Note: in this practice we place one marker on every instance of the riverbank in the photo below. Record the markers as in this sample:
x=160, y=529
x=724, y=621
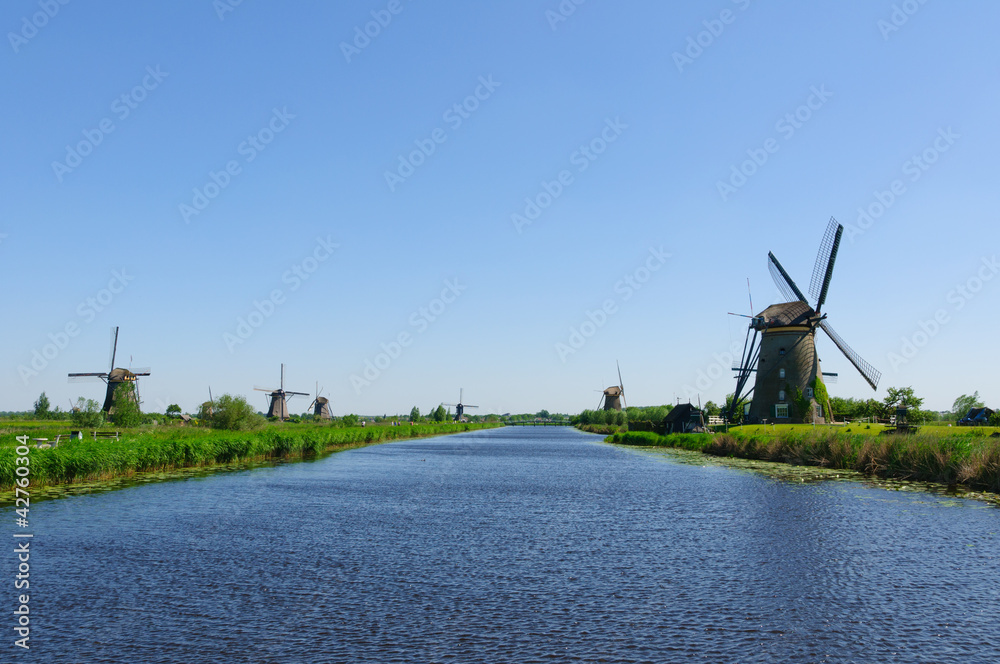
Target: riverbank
x=170, y=448
x=944, y=455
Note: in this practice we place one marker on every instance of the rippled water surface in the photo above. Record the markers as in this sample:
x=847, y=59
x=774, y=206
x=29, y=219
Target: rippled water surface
x=510, y=545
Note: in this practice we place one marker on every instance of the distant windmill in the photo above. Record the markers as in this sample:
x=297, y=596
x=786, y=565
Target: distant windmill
x=784, y=359
x=114, y=377
x=614, y=396
x=459, y=407
x=208, y=407
x=278, y=399
x=320, y=405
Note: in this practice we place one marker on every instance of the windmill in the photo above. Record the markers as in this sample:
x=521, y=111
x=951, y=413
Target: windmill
x=278, y=399
x=459, y=407
x=114, y=377
x=208, y=407
x=614, y=396
x=320, y=405
x=780, y=347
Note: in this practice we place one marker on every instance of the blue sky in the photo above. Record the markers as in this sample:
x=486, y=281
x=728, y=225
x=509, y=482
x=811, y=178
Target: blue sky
x=210, y=161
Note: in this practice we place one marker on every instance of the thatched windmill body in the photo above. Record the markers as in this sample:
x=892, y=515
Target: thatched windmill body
x=459, y=407
x=278, y=399
x=613, y=397
x=780, y=350
x=320, y=405
x=114, y=377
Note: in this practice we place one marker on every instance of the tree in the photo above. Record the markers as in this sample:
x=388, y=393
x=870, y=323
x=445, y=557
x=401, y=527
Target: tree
x=414, y=414
x=173, y=409
x=902, y=397
x=235, y=414
x=544, y=414
x=964, y=404
x=125, y=412
x=439, y=414
x=711, y=408
x=350, y=420
x=87, y=414
x=42, y=407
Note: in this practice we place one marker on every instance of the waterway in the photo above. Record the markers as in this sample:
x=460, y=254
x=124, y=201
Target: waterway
x=508, y=545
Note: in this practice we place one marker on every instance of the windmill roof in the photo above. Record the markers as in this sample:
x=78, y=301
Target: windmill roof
x=787, y=314
x=613, y=391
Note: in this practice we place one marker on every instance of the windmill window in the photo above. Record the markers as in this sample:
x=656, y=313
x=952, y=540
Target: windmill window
x=809, y=393
x=781, y=410
x=781, y=351
x=781, y=373
x=781, y=395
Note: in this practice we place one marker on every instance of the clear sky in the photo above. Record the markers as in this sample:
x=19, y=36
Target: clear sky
x=241, y=184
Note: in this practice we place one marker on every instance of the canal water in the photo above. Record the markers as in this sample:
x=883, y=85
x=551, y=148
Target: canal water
x=509, y=545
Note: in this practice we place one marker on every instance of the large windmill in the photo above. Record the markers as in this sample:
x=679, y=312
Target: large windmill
x=459, y=407
x=781, y=347
x=114, y=377
x=320, y=405
x=278, y=399
x=614, y=397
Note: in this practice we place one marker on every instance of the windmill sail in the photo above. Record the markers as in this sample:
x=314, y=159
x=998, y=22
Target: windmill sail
x=783, y=281
x=870, y=373
x=825, y=259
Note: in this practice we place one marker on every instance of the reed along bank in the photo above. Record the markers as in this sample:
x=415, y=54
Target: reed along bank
x=947, y=455
x=171, y=448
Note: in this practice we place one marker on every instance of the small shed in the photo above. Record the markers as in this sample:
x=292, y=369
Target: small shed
x=684, y=418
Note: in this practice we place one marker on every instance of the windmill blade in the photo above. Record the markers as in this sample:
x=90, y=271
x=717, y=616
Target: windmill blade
x=827, y=256
x=870, y=373
x=264, y=389
x=87, y=377
x=468, y=406
x=301, y=394
x=783, y=281
x=144, y=371
x=830, y=377
x=114, y=347
x=450, y=405
x=210, y=399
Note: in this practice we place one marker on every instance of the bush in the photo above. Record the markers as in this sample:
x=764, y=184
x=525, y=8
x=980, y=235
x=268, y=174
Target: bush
x=235, y=414
x=87, y=415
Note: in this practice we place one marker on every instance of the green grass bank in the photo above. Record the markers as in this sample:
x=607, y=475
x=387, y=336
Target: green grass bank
x=169, y=448
x=947, y=455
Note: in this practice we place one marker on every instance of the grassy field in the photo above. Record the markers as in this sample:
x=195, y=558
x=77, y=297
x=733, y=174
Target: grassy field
x=967, y=456
x=169, y=447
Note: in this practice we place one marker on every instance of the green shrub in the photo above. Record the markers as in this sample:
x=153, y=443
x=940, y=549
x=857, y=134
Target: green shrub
x=233, y=413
